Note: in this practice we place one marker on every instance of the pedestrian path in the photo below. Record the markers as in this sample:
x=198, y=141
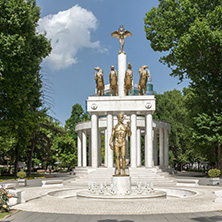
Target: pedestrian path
x=23, y=216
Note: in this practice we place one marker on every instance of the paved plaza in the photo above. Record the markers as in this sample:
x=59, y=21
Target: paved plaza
x=41, y=206
x=49, y=217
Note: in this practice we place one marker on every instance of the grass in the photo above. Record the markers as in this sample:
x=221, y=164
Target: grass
x=6, y=214
x=3, y=215
x=8, y=177
x=33, y=176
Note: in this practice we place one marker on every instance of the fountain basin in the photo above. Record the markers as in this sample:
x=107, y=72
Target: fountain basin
x=133, y=195
x=67, y=193
x=178, y=193
x=161, y=193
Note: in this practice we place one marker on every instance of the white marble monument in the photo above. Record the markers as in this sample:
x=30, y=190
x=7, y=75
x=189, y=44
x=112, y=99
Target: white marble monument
x=138, y=109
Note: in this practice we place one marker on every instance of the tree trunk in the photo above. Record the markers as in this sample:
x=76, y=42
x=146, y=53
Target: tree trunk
x=219, y=165
x=215, y=158
x=30, y=156
x=30, y=161
x=16, y=158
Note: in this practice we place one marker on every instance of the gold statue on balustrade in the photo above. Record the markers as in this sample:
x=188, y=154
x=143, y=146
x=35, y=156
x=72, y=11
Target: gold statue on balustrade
x=121, y=34
x=99, y=81
x=128, y=80
x=113, y=82
x=119, y=134
x=144, y=74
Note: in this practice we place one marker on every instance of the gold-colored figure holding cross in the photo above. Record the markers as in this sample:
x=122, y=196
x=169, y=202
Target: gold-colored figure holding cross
x=120, y=132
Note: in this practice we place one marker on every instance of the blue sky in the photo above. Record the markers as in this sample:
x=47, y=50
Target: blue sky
x=80, y=32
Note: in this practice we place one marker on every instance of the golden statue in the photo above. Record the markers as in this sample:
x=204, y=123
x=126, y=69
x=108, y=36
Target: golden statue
x=121, y=34
x=113, y=82
x=144, y=74
x=128, y=80
x=99, y=81
x=119, y=132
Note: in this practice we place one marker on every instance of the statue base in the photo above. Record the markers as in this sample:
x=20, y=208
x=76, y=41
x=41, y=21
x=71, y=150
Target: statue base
x=122, y=183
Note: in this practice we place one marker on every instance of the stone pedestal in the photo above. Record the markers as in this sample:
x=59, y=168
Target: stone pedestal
x=122, y=183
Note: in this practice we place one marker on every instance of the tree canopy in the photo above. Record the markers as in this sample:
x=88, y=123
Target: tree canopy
x=190, y=32
x=22, y=50
x=170, y=107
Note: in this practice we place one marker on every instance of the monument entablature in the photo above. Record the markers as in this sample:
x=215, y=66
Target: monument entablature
x=139, y=105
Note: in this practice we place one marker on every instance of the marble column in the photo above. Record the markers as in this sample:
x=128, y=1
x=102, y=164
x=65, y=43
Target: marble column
x=84, y=153
x=106, y=149
x=109, y=132
x=133, y=141
x=138, y=147
x=99, y=148
x=79, y=149
x=127, y=147
x=155, y=150
x=121, y=73
x=94, y=140
x=161, y=154
x=148, y=140
x=166, y=148
x=90, y=151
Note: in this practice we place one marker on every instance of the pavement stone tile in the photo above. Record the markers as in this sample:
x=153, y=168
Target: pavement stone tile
x=94, y=218
x=67, y=217
x=149, y=218
x=138, y=218
x=42, y=217
x=171, y=218
x=48, y=220
x=206, y=219
x=21, y=215
x=83, y=218
x=72, y=218
x=128, y=218
x=181, y=217
x=111, y=218
x=31, y=217
x=160, y=218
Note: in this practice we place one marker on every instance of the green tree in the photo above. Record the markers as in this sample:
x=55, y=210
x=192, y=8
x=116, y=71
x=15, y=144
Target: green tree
x=41, y=145
x=170, y=107
x=22, y=50
x=65, y=148
x=190, y=32
x=77, y=115
x=209, y=136
x=206, y=129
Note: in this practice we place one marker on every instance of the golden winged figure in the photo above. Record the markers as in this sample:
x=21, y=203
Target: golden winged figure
x=121, y=34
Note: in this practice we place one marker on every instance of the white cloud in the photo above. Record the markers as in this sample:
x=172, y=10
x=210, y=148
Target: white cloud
x=69, y=31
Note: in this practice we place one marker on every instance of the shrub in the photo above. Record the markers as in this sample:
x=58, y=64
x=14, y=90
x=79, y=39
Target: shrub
x=214, y=173
x=4, y=197
x=21, y=174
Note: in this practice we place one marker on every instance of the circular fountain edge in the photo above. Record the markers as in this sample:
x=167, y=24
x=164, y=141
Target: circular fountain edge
x=155, y=194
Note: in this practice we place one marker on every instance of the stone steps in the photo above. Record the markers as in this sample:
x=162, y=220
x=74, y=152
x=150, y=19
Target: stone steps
x=100, y=175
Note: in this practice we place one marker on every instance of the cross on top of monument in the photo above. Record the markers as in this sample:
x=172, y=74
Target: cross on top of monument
x=121, y=34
